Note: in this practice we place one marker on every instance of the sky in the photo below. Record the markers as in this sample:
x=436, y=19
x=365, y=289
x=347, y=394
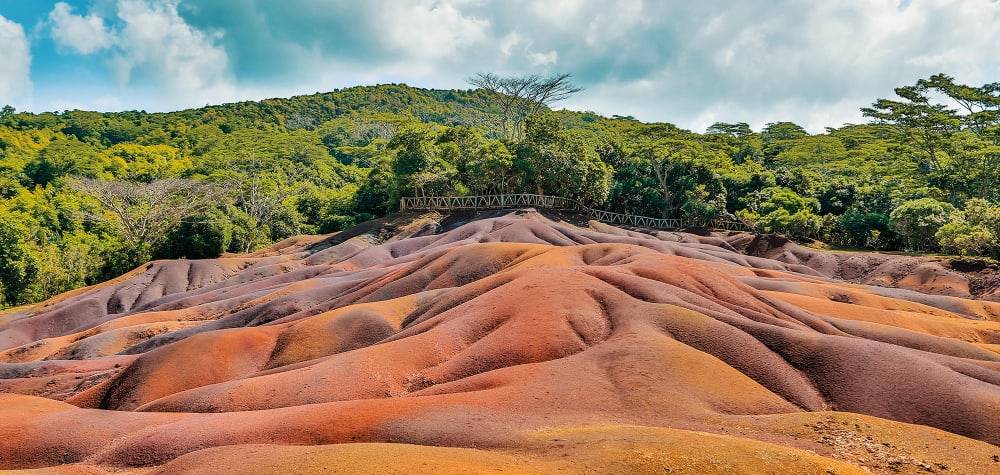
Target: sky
x=690, y=63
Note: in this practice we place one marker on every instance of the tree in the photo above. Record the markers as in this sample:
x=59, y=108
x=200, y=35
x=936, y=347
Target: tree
x=261, y=196
x=981, y=104
x=203, y=236
x=145, y=163
x=670, y=161
x=965, y=239
x=490, y=170
x=974, y=164
x=65, y=157
x=378, y=194
x=778, y=137
x=17, y=266
x=701, y=206
x=634, y=189
x=919, y=220
x=330, y=210
x=864, y=229
x=737, y=130
x=740, y=141
x=144, y=213
x=516, y=98
x=785, y=211
x=972, y=231
x=916, y=120
x=420, y=164
x=74, y=261
x=555, y=161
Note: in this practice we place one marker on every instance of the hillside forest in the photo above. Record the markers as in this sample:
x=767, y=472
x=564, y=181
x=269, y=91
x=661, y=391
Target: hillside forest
x=86, y=196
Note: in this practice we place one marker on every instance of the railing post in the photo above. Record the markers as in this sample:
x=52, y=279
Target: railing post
x=559, y=202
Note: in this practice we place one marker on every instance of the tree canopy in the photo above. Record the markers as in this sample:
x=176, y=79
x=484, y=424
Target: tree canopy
x=87, y=195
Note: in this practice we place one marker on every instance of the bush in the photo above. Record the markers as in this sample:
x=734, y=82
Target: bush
x=200, y=237
x=785, y=212
x=18, y=266
x=972, y=231
x=801, y=224
x=966, y=240
x=919, y=220
x=336, y=222
x=122, y=258
x=864, y=229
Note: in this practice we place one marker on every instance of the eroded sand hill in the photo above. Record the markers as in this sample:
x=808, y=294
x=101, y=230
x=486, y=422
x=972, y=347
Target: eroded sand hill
x=511, y=341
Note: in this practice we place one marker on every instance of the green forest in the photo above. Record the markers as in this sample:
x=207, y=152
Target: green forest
x=86, y=196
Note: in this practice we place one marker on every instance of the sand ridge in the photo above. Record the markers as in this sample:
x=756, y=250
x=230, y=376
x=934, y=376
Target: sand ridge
x=430, y=336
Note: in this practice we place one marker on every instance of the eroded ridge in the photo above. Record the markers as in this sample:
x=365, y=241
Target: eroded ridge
x=506, y=340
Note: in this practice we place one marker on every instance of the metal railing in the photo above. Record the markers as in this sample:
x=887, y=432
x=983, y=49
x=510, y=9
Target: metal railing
x=520, y=200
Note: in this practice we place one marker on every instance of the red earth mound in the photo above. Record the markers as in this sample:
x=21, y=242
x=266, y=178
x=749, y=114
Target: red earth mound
x=516, y=341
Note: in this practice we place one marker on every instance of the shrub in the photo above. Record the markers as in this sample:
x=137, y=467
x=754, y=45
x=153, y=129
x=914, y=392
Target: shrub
x=919, y=220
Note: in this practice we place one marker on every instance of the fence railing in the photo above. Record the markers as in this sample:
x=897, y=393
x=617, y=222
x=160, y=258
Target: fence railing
x=520, y=200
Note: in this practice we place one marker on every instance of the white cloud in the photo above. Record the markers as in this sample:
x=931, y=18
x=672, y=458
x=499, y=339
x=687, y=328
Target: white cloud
x=562, y=14
x=15, y=67
x=84, y=35
x=158, y=44
x=152, y=50
x=615, y=22
x=429, y=31
x=814, y=63
x=544, y=59
x=508, y=42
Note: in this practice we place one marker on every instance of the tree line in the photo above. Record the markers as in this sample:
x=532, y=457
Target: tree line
x=86, y=196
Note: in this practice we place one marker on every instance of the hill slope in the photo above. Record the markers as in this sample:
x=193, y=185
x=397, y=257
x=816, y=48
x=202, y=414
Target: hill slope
x=511, y=340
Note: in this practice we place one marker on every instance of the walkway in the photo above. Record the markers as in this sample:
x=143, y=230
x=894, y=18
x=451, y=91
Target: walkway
x=554, y=202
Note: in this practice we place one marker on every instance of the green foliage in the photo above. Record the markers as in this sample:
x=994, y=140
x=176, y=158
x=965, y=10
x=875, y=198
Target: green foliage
x=18, y=267
x=966, y=239
x=781, y=210
x=556, y=161
x=701, y=206
x=378, y=194
x=330, y=210
x=65, y=157
x=919, y=220
x=490, y=169
x=123, y=257
x=790, y=201
x=200, y=236
x=145, y=163
x=972, y=231
x=422, y=166
x=322, y=162
x=74, y=262
x=866, y=229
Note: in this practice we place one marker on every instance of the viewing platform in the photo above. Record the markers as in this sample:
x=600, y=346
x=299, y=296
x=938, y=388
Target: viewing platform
x=520, y=200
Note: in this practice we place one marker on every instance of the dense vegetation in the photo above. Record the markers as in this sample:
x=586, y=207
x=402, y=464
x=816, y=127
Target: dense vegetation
x=85, y=196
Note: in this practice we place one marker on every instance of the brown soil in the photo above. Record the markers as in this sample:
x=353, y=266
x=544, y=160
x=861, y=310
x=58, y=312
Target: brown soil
x=511, y=341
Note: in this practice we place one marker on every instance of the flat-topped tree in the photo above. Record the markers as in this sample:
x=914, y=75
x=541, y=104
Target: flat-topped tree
x=144, y=213
x=519, y=97
x=958, y=148
x=917, y=121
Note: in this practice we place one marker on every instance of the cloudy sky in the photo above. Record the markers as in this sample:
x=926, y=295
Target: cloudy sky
x=687, y=62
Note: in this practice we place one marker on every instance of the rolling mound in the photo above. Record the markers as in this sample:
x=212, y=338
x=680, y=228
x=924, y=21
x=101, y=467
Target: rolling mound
x=512, y=340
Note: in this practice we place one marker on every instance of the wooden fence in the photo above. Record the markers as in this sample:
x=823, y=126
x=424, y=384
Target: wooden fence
x=522, y=200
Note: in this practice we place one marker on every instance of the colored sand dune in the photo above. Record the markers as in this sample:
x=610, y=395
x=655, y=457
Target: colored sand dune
x=511, y=341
